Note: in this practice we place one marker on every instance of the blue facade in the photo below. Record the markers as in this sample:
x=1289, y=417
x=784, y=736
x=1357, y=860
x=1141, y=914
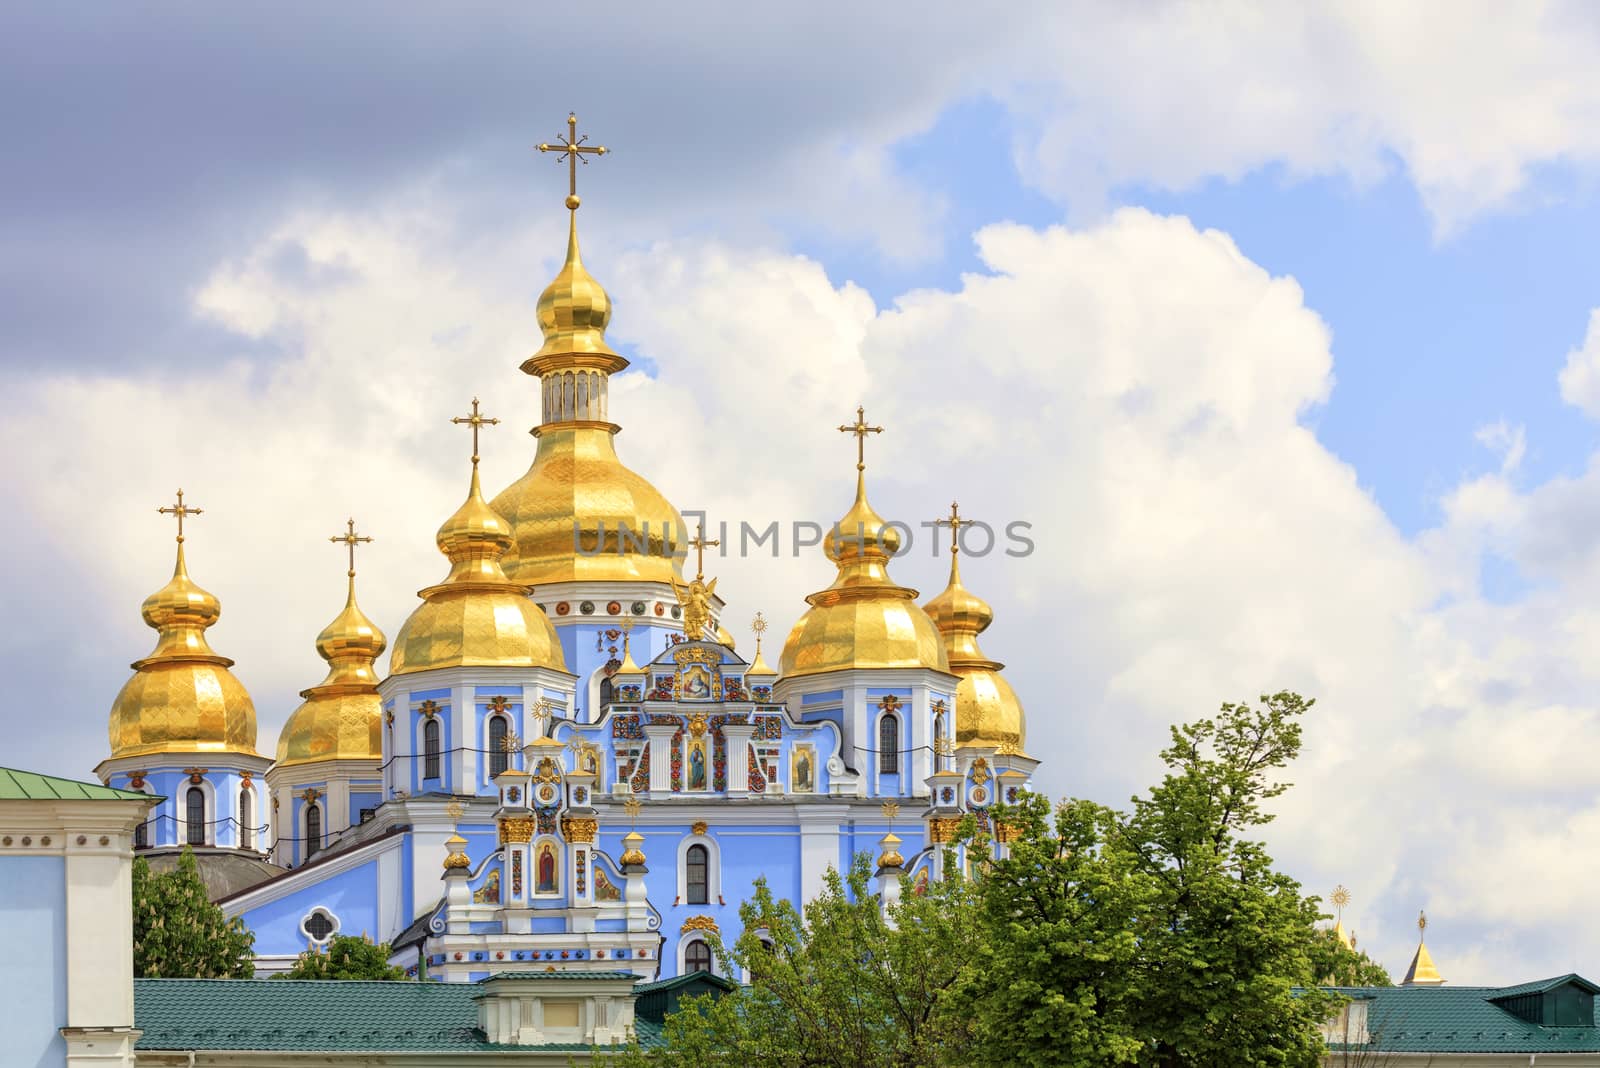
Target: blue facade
x=33, y=970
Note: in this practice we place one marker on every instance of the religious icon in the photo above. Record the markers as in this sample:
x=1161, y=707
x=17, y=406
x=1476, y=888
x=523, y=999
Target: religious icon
x=919, y=885
x=545, y=869
x=802, y=767
x=697, y=765
x=696, y=682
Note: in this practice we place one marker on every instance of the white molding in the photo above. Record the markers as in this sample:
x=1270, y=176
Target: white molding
x=298, y=879
x=338, y=924
x=683, y=949
x=713, y=869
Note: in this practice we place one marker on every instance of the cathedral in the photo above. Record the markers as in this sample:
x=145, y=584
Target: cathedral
x=565, y=763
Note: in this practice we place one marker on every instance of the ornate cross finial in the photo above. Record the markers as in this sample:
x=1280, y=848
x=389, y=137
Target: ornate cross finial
x=351, y=539
x=180, y=510
x=573, y=149
x=759, y=626
x=475, y=421
x=455, y=810
x=955, y=523
x=860, y=429
x=699, y=544
x=1422, y=924
x=891, y=809
x=1340, y=899
x=632, y=806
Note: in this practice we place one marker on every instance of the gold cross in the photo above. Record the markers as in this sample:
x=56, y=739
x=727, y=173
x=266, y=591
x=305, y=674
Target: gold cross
x=352, y=539
x=759, y=625
x=573, y=149
x=699, y=544
x=955, y=523
x=180, y=510
x=475, y=421
x=860, y=429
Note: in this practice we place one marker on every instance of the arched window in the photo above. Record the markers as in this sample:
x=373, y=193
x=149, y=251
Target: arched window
x=498, y=756
x=247, y=834
x=313, y=829
x=696, y=865
x=430, y=749
x=195, y=805
x=608, y=692
x=697, y=957
x=888, y=744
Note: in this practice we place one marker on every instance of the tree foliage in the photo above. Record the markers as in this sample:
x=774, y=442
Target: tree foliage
x=1335, y=964
x=1160, y=936
x=346, y=957
x=838, y=983
x=178, y=933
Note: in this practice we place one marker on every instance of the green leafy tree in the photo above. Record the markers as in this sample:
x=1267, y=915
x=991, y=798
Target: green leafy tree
x=1335, y=964
x=346, y=957
x=178, y=933
x=1163, y=936
x=837, y=983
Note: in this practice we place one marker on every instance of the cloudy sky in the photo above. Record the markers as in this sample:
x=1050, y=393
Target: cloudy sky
x=1278, y=323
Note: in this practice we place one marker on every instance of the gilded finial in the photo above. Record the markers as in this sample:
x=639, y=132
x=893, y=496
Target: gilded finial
x=1422, y=924
x=1423, y=972
x=632, y=806
x=700, y=543
x=351, y=539
x=889, y=856
x=180, y=510
x=758, y=626
x=891, y=809
x=573, y=148
x=955, y=523
x=476, y=422
x=860, y=429
x=695, y=596
x=631, y=853
x=1340, y=899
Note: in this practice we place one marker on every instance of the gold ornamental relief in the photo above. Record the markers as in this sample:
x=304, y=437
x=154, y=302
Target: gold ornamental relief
x=942, y=829
x=699, y=923
x=517, y=830
x=579, y=828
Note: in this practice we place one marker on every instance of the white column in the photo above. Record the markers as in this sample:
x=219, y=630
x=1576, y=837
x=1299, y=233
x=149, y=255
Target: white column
x=739, y=737
x=463, y=764
x=819, y=848
x=660, y=735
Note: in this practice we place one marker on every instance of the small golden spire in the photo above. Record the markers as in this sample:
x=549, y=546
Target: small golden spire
x=889, y=855
x=1422, y=972
x=476, y=536
x=631, y=853
x=759, y=665
x=573, y=148
x=1340, y=899
x=627, y=667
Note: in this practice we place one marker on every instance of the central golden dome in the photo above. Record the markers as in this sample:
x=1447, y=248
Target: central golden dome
x=182, y=698
x=863, y=620
x=988, y=713
x=476, y=617
x=579, y=515
x=342, y=715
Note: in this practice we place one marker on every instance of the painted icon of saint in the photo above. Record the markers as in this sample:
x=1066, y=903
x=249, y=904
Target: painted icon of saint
x=697, y=768
x=546, y=883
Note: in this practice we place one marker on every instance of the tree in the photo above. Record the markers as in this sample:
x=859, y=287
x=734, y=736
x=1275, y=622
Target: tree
x=346, y=957
x=836, y=984
x=178, y=933
x=1162, y=936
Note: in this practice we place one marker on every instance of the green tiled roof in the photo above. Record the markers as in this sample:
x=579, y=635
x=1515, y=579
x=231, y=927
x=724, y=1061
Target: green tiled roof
x=1445, y=1019
x=29, y=786
x=311, y=1014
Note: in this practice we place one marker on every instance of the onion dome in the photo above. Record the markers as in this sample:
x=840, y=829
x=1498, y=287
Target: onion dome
x=579, y=515
x=182, y=698
x=631, y=853
x=476, y=617
x=342, y=715
x=456, y=859
x=988, y=714
x=863, y=620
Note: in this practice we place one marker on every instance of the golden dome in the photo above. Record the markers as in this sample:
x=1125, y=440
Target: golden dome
x=476, y=617
x=863, y=620
x=342, y=715
x=577, y=488
x=725, y=638
x=988, y=713
x=182, y=698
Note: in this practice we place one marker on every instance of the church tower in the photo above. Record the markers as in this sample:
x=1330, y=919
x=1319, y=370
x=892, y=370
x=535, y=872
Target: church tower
x=183, y=727
x=865, y=655
x=599, y=543
x=330, y=752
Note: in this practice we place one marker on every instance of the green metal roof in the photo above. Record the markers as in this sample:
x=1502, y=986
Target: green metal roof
x=321, y=1014
x=1445, y=1019
x=30, y=786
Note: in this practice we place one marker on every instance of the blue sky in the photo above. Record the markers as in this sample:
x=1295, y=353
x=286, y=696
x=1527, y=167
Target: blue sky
x=1274, y=323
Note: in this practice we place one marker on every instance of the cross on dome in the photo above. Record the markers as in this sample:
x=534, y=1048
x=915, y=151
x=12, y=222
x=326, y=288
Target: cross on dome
x=351, y=539
x=180, y=510
x=699, y=543
x=573, y=149
x=860, y=429
x=955, y=523
x=475, y=421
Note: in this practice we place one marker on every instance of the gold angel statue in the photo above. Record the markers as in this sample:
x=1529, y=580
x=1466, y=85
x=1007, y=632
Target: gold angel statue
x=695, y=597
